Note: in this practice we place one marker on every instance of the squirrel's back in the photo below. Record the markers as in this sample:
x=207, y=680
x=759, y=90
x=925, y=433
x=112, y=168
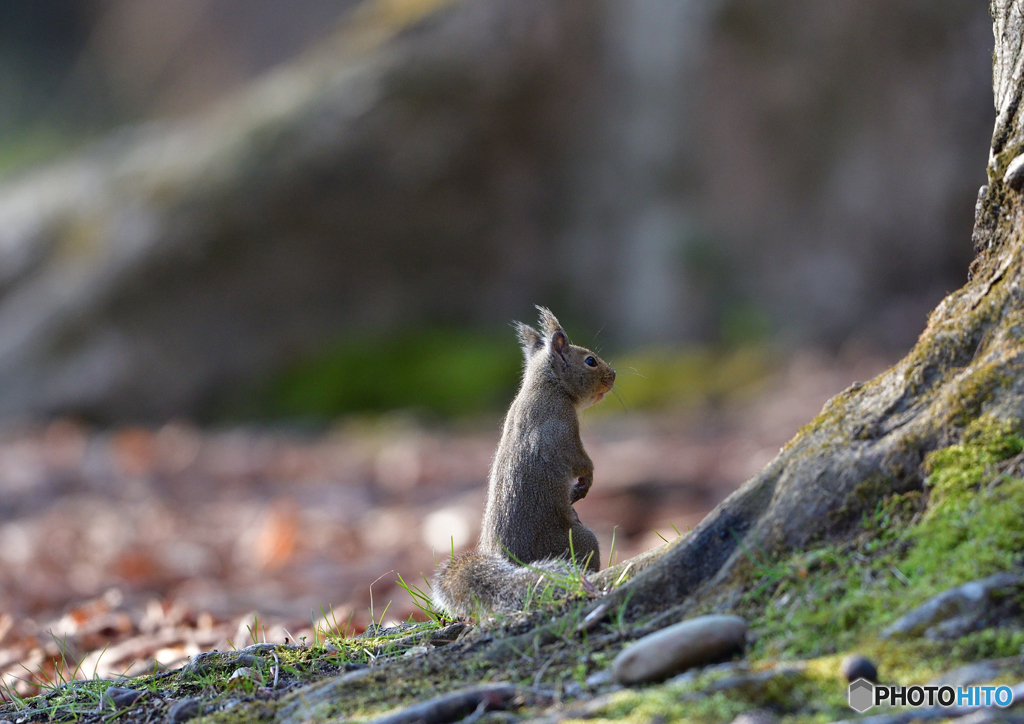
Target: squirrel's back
x=540, y=467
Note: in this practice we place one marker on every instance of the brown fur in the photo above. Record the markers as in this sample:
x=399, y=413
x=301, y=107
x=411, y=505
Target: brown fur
x=476, y=583
x=540, y=469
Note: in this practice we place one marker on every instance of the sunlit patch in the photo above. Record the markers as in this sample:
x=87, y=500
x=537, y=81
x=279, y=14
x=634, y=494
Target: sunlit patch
x=447, y=527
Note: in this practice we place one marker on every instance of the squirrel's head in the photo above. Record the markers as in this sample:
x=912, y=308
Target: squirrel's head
x=580, y=373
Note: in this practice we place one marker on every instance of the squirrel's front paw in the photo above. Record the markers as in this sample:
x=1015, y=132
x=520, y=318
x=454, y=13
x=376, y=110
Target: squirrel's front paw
x=581, y=487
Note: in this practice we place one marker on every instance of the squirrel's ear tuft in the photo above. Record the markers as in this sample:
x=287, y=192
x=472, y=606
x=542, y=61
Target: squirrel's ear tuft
x=529, y=338
x=548, y=323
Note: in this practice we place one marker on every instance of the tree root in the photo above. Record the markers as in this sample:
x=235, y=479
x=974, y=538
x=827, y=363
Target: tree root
x=461, y=704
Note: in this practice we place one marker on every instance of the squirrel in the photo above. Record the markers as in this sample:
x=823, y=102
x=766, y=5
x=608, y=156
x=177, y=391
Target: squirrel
x=539, y=470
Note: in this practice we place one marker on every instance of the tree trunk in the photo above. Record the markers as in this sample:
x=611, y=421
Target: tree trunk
x=870, y=441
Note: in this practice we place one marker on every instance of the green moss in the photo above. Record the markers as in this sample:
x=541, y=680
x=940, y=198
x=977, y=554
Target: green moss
x=990, y=643
x=669, y=377
x=441, y=372
x=973, y=526
x=976, y=390
x=664, y=703
x=832, y=417
x=810, y=692
x=950, y=344
x=1002, y=160
x=840, y=595
x=862, y=501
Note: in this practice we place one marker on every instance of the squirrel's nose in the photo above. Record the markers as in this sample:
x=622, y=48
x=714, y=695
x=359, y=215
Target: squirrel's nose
x=613, y=375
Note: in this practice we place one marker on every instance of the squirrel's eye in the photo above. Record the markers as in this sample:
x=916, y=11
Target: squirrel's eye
x=591, y=362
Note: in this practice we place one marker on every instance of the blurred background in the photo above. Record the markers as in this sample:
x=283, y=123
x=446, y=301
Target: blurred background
x=258, y=262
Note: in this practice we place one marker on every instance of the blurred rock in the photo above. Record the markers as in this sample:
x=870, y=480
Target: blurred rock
x=979, y=672
x=756, y=716
x=117, y=697
x=701, y=640
x=673, y=169
x=247, y=673
x=182, y=711
x=855, y=667
x=962, y=609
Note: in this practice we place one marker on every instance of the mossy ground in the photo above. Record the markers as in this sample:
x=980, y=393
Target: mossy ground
x=810, y=607
x=809, y=694
x=966, y=524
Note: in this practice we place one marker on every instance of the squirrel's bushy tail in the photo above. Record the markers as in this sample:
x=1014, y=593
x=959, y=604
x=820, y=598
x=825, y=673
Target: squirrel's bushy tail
x=474, y=582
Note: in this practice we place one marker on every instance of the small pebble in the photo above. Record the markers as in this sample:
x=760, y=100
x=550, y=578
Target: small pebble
x=1014, y=177
x=856, y=667
x=701, y=640
x=756, y=716
x=572, y=690
x=246, y=672
x=206, y=661
x=182, y=711
x=119, y=698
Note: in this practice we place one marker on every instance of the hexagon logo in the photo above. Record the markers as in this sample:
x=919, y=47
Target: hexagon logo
x=861, y=695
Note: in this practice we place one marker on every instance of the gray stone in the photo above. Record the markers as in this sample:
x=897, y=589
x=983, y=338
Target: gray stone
x=211, y=660
x=957, y=611
x=756, y=716
x=182, y=711
x=572, y=690
x=117, y=697
x=1014, y=176
x=248, y=673
x=674, y=649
